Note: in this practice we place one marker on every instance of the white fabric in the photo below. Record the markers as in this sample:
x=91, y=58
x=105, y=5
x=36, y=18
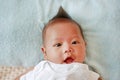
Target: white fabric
x=46, y=70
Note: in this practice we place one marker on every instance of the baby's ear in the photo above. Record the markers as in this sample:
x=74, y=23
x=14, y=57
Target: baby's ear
x=43, y=49
x=85, y=43
x=44, y=52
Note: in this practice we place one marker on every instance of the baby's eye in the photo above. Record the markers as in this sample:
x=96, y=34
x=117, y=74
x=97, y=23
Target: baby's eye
x=58, y=45
x=75, y=42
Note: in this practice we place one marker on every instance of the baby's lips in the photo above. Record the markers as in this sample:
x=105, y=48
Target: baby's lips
x=68, y=60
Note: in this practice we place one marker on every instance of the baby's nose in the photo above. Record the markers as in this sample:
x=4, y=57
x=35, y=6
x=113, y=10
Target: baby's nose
x=68, y=50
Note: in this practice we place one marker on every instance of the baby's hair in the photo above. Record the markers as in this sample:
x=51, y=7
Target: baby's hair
x=61, y=15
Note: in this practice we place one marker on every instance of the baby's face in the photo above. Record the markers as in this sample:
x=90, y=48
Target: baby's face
x=64, y=43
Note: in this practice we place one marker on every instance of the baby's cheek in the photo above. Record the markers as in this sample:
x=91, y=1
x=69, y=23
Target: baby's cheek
x=81, y=54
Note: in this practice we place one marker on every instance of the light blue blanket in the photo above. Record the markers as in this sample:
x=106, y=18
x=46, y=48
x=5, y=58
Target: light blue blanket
x=21, y=22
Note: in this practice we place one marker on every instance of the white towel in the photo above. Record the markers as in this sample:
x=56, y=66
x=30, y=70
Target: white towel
x=46, y=70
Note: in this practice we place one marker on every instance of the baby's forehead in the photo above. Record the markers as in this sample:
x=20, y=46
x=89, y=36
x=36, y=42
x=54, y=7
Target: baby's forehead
x=60, y=20
x=56, y=21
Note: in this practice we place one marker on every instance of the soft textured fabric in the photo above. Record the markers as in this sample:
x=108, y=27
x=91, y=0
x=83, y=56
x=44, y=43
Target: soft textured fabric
x=46, y=70
x=21, y=22
x=11, y=72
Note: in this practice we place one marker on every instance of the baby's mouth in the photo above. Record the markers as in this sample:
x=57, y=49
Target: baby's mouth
x=68, y=60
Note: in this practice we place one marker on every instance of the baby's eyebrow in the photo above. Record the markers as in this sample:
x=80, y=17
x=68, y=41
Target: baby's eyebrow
x=57, y=39
x=75, y=36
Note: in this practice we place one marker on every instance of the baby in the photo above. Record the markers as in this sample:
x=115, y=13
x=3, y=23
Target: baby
x=64, y=52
